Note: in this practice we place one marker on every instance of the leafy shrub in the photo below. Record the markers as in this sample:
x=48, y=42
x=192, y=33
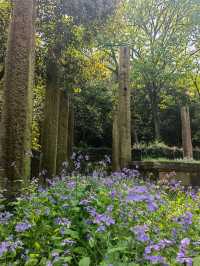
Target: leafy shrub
x=160, y=150
x=102, y=220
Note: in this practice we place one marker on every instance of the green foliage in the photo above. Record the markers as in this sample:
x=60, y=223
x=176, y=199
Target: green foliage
x=38, y=102
x=83, y=37
x=4, y=20
x=94, y=103
x=117, y=219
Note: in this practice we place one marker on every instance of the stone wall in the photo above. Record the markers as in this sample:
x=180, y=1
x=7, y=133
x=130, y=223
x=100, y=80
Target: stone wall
x=188, y=173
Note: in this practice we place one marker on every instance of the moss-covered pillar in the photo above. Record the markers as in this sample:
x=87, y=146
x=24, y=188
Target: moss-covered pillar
x=63, y=128
x=186, y=133
x=71, y=126
x=51, y=120
x=115, y=141
x=17, y=108
x=124, y=117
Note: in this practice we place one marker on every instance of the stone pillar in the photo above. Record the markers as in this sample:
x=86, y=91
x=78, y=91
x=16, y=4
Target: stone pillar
x=124, y=116
x=186, y=133
x=17, y=104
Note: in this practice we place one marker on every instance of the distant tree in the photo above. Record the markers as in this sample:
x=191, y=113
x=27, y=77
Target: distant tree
x=66, y=25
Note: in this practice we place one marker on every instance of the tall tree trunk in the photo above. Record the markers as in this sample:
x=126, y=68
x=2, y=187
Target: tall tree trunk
x=71, y=127
x=2, y=71
x=62, y=150
x=115, y=141
x=51, y=120
x=186, y=133
x=17, y=109
x=124, y=118
x=156, y=121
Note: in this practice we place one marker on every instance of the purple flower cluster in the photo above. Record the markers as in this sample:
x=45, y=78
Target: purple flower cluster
x=7, y=246
x=22, y=227
x=125, y=174
x=68, y=242
x=156, y=259
x=85, y=202
x=103, y=219
x=140, y=233
x=62, y=221
x=185, y=220
x=142, y=194
x=181, y=256
x=4, y=247
x=158, y=247
x=5, y=217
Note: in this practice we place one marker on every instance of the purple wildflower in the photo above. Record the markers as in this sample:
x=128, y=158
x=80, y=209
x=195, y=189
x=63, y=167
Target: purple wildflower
x=22, y=227
x=159, y=246
x=136, y=197
x=181, y=256
x=54, y=254
x=84, y=202
x=62, y=221
x=152, y=206
x=185, y=242
x=184, y=220
x=113, y=194
x=68, y=242
x=101, y=228
x=71, y=184
x=64, y=197
x=4, y=246
x=140, y=232
x=103, y=218
x=155, y=259
x=5, y=217
x=110, y=208
x=91, y=211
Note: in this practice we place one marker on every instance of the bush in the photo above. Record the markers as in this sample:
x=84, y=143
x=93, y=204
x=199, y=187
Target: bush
x=160, y=150
x=102, y=220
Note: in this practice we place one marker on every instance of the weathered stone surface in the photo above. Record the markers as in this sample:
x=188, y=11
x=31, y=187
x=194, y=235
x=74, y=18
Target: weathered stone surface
x=17, y=98
x=188, y=173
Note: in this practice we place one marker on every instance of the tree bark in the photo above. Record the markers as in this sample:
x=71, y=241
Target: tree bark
x=2, y=73
x=51, y=121
x=17, y=108
x=186, y=133
x=124, y=118
x=63, y=127
x=115, y=142
x=71, y=127
x=156, y=121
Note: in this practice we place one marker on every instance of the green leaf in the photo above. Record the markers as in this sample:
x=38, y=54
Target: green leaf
x=196, y=261
x=67, y=259
x=72, y=233
x=37, y=245
x=117, y=249
x=84, y=261
x=31, y=262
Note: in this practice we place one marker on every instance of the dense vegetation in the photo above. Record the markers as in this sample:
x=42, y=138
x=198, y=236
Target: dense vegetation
x=101, y=219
